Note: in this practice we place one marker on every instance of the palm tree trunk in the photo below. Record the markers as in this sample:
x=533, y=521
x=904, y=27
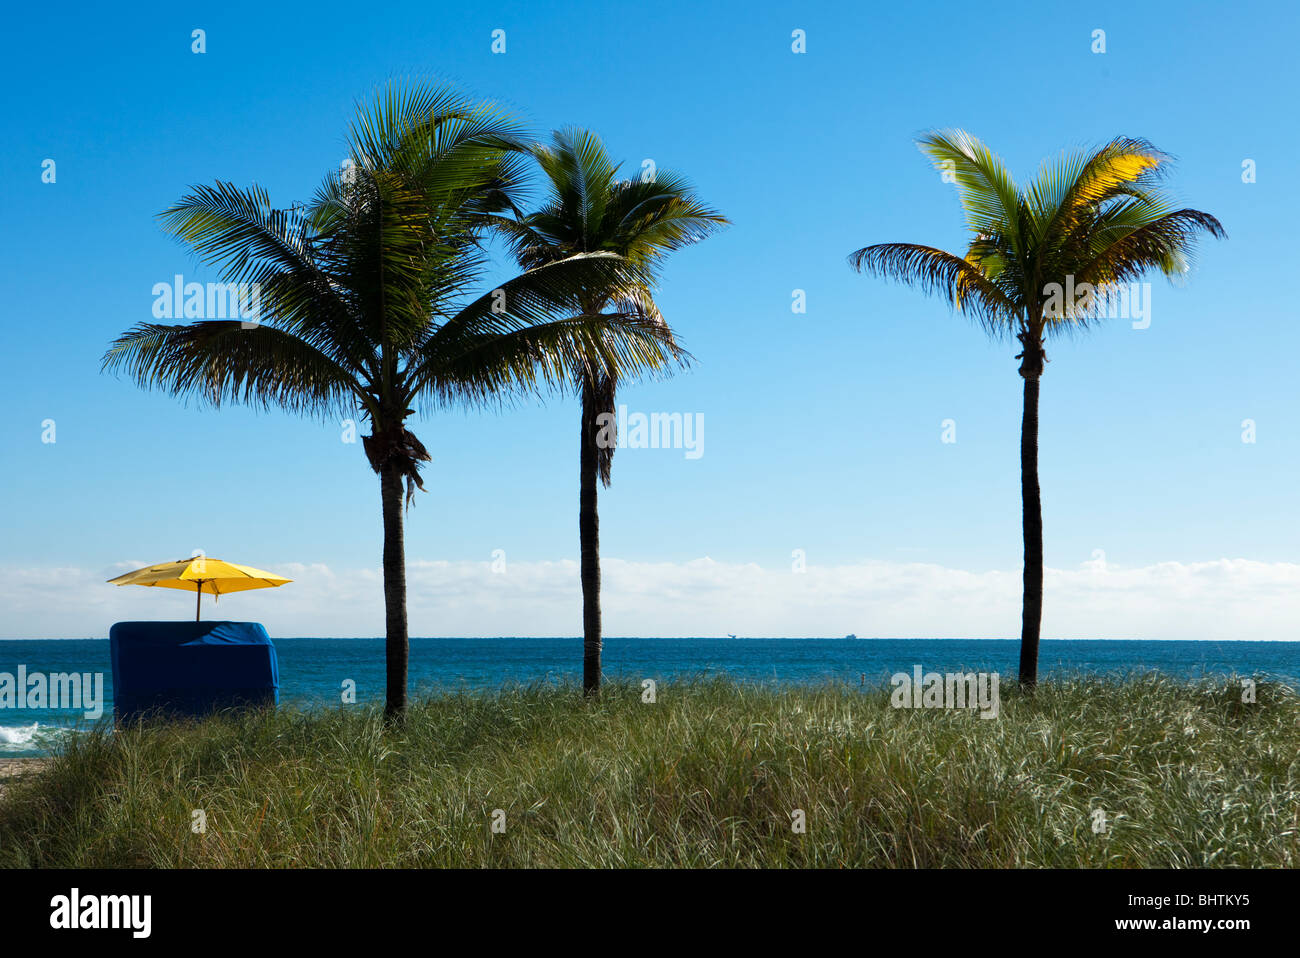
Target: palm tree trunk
x=589, y=536
x=1032, y=520
x=397, y=647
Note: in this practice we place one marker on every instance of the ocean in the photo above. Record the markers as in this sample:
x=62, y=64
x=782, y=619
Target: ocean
x=313, y=671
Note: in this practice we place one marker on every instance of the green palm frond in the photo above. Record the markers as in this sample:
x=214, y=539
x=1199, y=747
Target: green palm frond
x=536, y=295
x=430, y=134
x=987, y=190
x=588, y=209
x=238, y=232
x=218, y=361
x=1164, y=243
x=487, y=368
x=620, y=343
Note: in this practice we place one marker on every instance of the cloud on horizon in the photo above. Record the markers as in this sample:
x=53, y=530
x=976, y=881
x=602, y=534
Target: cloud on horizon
x=1217, y=600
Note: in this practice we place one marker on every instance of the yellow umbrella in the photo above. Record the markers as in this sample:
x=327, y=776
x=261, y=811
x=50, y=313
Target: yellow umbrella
x=202, y=575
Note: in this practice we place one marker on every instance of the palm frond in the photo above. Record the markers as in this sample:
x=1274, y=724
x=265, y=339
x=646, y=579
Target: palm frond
x=1079, y=183
x=1164, y=244
x=988, y=192
x=217, y=361
x=486, y=368
x=933, y=270
x=239, y=233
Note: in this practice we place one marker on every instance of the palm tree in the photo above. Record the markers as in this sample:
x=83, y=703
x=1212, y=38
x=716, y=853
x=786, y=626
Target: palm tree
x=1087, y=223
x=367, y=301
x=589, y=210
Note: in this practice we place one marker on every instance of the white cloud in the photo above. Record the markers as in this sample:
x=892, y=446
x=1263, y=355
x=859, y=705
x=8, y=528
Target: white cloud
x=1220, y=599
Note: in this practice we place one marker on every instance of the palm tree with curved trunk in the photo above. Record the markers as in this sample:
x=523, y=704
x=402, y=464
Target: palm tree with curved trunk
x=371, y=301
x=1088, y=222
x=589, y=210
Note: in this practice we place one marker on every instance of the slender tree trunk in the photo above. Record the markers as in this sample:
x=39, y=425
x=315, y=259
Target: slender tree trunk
x=1032, y=516
x=397, y=647
x=589, y=536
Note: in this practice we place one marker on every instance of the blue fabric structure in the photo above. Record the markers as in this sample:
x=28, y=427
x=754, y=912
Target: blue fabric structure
x=191, y=668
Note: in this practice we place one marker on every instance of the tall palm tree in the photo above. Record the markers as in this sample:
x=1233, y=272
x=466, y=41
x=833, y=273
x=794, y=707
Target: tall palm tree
x=1088, y=222
x=369, y=305
x=589, y=210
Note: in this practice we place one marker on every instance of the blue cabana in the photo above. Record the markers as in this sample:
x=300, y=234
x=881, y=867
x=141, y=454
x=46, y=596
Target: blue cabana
x=191, y=668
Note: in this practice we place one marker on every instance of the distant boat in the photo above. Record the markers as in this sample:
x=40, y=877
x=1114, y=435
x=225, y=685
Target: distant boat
x=850, y=636
x=730, y=636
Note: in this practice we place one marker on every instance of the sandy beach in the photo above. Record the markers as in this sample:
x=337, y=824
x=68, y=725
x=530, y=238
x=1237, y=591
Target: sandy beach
x=12, y=769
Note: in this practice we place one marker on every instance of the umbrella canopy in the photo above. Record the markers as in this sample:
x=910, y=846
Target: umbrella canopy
x=202, y=574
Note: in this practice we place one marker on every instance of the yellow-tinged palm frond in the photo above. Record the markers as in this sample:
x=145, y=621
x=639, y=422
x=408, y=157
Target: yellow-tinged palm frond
x=1068, y=191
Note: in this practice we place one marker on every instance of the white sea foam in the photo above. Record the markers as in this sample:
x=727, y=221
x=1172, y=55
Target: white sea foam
x=22, y=738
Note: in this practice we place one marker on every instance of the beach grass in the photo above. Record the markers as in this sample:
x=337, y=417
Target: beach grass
x=710, y=774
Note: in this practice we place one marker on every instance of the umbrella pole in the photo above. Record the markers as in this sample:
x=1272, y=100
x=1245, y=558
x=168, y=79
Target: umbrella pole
x=198, y=597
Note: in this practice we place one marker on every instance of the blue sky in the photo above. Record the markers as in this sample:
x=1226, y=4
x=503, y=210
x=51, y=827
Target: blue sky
x=822, y=429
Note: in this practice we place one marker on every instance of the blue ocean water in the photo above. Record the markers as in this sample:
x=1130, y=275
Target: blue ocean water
x=312, y=671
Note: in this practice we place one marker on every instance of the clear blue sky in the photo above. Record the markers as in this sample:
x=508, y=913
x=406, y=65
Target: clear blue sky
x=822, y=430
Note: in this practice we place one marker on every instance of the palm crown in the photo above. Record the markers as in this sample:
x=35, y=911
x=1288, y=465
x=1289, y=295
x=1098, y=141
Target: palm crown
x=1098, y=217
x=589, y=210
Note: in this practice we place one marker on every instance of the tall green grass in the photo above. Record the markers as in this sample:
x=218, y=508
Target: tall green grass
x=710, y=775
